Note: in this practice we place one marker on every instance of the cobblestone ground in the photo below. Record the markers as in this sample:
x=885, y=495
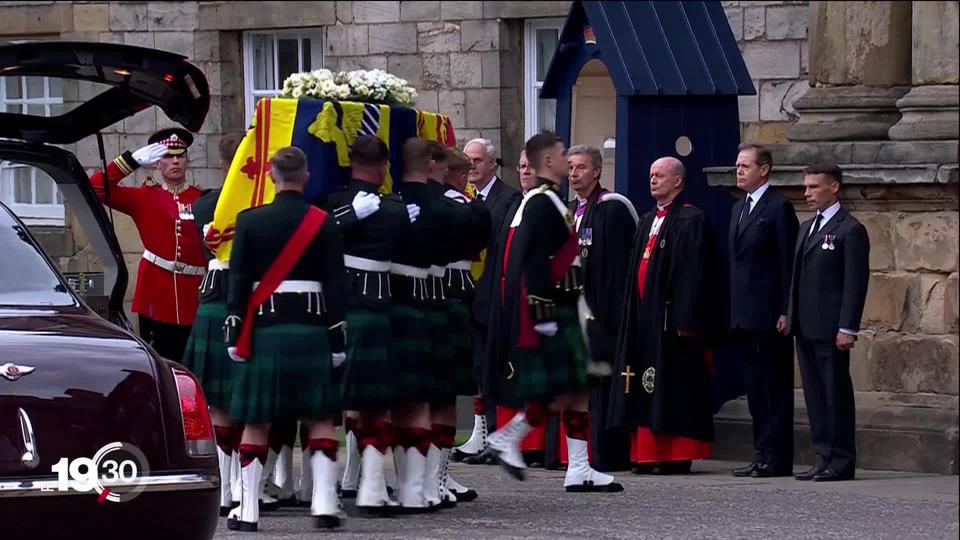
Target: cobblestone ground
x=709, y=503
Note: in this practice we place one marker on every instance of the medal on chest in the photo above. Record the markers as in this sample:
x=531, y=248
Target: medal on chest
x=827, y=244
x=586, y=240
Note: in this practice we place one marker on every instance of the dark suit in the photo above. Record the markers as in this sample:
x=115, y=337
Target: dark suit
x=761, y=264
x=499, y=201
x=828, y=291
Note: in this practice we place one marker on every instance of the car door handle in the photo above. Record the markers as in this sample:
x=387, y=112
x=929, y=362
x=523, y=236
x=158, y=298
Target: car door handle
x=30, y=458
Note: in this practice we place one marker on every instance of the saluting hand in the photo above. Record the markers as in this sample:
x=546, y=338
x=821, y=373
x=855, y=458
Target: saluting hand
x=845, y=341
x=149, y=155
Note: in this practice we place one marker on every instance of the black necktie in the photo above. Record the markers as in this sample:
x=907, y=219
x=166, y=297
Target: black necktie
x=816, y=225
x=743, y=212
x=481, y=197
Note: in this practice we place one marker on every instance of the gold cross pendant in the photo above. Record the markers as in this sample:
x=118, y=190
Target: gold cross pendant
x=627, y=374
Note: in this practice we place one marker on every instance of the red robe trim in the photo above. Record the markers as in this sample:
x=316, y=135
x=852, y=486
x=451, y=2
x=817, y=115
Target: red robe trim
x=278, y=271
x=647, y=446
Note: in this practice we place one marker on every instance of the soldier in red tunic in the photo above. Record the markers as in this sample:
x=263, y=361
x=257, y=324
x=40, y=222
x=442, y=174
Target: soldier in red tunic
x=173, y=263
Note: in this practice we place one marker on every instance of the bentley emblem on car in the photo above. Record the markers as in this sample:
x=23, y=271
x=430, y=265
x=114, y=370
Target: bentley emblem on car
x=13, y=372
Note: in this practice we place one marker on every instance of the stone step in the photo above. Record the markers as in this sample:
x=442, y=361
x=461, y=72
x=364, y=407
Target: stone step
x=900, y=432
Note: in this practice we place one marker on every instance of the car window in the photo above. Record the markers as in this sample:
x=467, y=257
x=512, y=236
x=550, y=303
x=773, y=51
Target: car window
x=25, y=277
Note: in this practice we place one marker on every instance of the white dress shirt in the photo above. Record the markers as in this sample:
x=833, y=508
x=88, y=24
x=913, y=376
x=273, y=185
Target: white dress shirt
x=755, y=196
x=485, y=192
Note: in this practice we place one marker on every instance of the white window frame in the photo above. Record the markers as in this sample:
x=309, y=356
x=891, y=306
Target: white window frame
x=31, y=213
x=249, y=92
x=531, y=85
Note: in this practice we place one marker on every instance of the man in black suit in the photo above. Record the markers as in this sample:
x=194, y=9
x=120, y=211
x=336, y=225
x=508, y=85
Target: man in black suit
x=499, y=197
x=829, y=287
x=763, y=230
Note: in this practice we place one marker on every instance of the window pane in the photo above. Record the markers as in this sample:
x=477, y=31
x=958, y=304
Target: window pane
x=44, y=188
x=263, y=71
x=546, y=44
x=26, y=277
x=315, y=55
x=56, y=87
x=38, y=110
x=13, y=87
x=307, y=64
x=287, y=58
x=22, y=185
x=35, y=87
x=547, y=115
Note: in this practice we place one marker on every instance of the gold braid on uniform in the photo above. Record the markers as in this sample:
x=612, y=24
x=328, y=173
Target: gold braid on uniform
x=126, y=163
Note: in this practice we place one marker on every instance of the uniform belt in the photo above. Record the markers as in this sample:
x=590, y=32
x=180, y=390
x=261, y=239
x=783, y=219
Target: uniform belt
x=367, y=265
x=437, y=271
x=217, y=264
x=409, y=271
x=296, y=286
x=173, y=266
x=460, y=265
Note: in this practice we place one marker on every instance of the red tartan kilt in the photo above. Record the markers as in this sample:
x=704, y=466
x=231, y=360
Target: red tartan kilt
x=154, y=295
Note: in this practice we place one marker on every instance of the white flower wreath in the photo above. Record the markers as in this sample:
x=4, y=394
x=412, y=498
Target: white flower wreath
x=375, y=86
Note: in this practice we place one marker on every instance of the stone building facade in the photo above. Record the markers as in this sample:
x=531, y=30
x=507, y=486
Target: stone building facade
x=871, y=85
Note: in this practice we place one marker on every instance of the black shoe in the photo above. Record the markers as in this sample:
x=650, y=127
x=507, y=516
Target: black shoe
x=235, y=524
x=466, y=496
x=348, y=494
x=268, y=507
x=809, y=473
x=289, y=502
x=644, y=468
x=373, y=512
x=676, y=467
x=766, y=471
x=326, y=522
x=612, y=487
x=830, y=476
x=742, y=472
x=472, y=459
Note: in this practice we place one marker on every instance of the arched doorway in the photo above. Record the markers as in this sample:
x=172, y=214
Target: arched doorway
x=594, y=116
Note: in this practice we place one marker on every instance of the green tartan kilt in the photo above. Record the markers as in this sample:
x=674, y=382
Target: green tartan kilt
x=554, y=368
x=412, y=373
x=458, y=375
x=368, y=381
x=288, y=377
x=206, y=355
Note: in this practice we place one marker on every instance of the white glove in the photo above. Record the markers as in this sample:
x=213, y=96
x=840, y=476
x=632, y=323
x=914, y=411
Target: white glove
x=337, y=359
x=232, y=351
x=149, y=155
x=413, y=211
x=548, y=329
x=365, y=204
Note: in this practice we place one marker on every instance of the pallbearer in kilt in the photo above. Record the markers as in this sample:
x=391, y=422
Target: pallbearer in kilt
x=548, y=349
x=372, y=226
x=206, y=354
x=467, y=230
x=414, y=316
x=285, y=328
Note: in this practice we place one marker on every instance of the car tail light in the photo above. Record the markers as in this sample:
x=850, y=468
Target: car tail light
x=197, y=427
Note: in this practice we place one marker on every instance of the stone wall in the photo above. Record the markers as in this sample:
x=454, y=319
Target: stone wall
x=773, y=39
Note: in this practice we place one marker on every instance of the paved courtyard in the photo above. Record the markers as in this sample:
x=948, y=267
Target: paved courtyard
x=709, y=503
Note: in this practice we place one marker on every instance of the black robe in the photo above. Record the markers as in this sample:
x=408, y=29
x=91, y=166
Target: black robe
x=671, y=376
x=606, y=233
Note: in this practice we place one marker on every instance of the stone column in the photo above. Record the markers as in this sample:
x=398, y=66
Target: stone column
x=859, y=68
x=930, y=108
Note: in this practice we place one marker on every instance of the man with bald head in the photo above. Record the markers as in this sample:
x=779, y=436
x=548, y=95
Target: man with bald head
x=661, y=381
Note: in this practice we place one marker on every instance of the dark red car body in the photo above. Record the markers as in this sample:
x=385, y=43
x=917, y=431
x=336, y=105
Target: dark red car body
x=73, y=380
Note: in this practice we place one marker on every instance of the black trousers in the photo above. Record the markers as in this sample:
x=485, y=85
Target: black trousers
x=768, y=378
x=828, y=391
x=169, y=340
x=609, y=448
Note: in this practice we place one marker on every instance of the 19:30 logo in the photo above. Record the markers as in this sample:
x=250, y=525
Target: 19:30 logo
x=114, y=472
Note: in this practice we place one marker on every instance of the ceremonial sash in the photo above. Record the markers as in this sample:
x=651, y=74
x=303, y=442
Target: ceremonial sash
x=278, y=271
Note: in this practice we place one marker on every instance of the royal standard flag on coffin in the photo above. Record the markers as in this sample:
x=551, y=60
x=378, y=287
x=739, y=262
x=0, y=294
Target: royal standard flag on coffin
x=325, y=131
